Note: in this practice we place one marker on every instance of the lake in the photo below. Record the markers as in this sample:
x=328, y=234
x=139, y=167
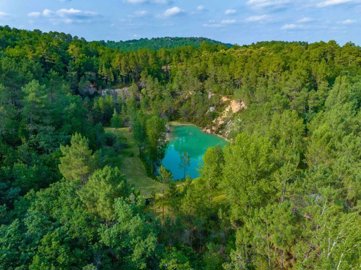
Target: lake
x=186, y=148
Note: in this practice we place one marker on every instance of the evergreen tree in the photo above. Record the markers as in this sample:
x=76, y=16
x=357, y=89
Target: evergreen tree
x=77, y=161
x=100, y=191
x=116, y=121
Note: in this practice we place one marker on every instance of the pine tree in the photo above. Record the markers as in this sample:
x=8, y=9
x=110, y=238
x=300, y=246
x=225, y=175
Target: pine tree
x=102, y=188
x=77, y=162
x=116, y=121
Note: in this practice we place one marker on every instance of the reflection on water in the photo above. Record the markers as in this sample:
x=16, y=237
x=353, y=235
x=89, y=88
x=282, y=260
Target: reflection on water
x=189, y=140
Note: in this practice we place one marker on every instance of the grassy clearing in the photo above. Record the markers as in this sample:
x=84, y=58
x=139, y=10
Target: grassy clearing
x=132, y=166
x=176, y=123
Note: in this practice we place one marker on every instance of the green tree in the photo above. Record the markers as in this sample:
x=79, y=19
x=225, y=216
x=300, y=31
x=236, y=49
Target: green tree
x=155, y=132
x=248, y=175
x=116, y=121
x=331, y=239
x=164, y=177
x=77, y=161
x=131, y=239
x=174, y=260
x=101, y=190
x=138, y=129
x=184, y=164
x=35, y=112
x=11, y=243
x=213, y=167
x=267, y=239
x=8, y=116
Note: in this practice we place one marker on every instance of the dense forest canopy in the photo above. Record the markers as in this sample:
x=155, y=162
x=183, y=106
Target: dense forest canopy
x=160, y=43
x=284, y=194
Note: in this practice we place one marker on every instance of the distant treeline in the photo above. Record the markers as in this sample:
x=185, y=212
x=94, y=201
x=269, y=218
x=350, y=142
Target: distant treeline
x=159, y=43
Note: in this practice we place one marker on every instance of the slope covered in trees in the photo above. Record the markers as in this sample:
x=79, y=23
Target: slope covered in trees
x=284, y=194
x=161, y=43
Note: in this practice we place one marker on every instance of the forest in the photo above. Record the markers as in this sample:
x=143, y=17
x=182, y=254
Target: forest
x=284, y=193
x=159, y=43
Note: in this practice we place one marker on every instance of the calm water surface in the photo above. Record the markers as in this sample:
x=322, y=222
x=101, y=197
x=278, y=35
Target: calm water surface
x=192, y=141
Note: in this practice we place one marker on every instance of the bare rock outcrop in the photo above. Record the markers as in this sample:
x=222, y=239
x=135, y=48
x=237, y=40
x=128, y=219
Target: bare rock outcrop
x=222, y=124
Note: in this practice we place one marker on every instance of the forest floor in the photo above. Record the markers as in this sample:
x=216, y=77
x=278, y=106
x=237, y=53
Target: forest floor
x=131, y=165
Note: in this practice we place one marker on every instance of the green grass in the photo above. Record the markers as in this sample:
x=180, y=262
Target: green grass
x=177, y=123
x=131, y=165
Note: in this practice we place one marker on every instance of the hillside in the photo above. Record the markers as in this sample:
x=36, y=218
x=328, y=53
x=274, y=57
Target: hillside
x=159, y=43
x=83, y=130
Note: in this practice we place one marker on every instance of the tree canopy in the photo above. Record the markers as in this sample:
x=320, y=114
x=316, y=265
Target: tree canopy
x=283, y=194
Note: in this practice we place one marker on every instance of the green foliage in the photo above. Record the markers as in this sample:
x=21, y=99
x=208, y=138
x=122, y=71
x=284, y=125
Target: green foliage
x=333, y=231
x=77, y=161
x=103, y=109
x=248, y=174
x=116, y=121
x=155, y=132
x=138, y=128
x=185, y=160
x=174, y=260
x=100, y=191
x=213, y=167
x=8, y=116
x=160, y=43
x=130, y=237
x=284, y=194
x=149, y=134
x=165, y=176
x=10, y=240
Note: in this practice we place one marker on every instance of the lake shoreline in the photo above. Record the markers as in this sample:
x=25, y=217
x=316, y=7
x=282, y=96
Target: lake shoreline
x=177, y=124
x=190, y=139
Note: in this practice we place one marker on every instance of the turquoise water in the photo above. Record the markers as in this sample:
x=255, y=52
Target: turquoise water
x=192, y=141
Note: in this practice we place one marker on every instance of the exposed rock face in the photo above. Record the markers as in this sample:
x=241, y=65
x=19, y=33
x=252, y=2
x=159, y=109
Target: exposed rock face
x=225, y=99
x=88, y=89
x=222, y=125
x=237, y=106
x=207, y=130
